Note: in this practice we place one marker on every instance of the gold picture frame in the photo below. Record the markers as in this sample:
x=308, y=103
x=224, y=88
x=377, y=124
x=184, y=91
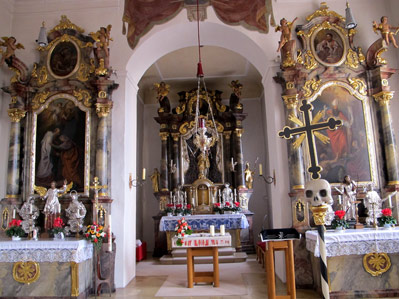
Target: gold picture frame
x=63, y=58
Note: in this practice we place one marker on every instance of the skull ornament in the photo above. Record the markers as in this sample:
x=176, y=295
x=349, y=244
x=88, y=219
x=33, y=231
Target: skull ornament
x=318, y=192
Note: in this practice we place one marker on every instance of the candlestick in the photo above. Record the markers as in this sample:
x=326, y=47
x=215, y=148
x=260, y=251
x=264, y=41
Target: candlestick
x=109, y=233
x=222, y=230
x=260, y=169
x=143, y=177
x=212, y=230
x=339, y=199
x=13, y=213
x=390, y=201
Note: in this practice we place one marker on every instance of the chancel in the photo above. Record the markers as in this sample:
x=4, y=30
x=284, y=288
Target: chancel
x=124, y=117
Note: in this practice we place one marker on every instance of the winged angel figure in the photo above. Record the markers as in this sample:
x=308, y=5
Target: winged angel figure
x=10, y=44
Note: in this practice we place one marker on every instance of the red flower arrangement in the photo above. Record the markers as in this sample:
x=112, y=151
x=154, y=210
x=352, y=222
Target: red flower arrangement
x=387, y=218
x=178, y=208
x=216, y=207
x=187, y=210
x=182, y=228
x=15, y=229
x=58, y=226
x=95, y=233
x=169, y=208
x=339, y=220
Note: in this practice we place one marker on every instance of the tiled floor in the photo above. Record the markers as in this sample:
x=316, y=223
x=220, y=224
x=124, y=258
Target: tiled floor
x=150, y=276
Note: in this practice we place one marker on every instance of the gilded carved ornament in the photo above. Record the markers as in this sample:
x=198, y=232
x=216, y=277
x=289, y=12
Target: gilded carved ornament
x=381, y=60
x=239, y=132
x=383, y=97
x=323, y=11
x=319, y=214
x=287, y=60
x=352, y=59
x=41, y=75
x=65, y=38
x=85, y=70
x=290, y=85
x=102, y=94
x=359, y=85
x=39, y=99
x=220, y=107
x=83, y=95
x=180, y=109
x=322, y=26
x=175, y=136
x=376, y=263
x=65, y=23
x=103, y=109
x=227, y=134
x=291, y=101
x=384, y=82
x=74, y=279
x=26, y=272
x=164, y=136
x=310, y=87
x=101, y=70
x=16, y=114
x=186, y=126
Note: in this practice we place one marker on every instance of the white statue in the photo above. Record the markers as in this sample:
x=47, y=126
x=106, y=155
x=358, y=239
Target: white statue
x=227, y=194
x=75, y=212
x=373, y=204
x=349, y=197
x=27, y=209
x=52, y=206
x=318, y=192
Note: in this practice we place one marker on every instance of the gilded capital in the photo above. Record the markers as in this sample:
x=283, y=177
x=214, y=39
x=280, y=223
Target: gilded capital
x=383, y=97
x=239, y=132
x=175, y=136
x=227, y=134
x=319, y=214
x=164, y=136
x=291, y=101
x=103, y=109
x=16, y=114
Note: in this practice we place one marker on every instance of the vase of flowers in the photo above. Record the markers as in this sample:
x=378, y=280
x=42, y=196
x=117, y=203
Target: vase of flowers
x=182, y=229
x=216, y=208
x=236, y=207
x=227, y=209
x=179, y=210
x=58, y=229
x=386, y=220
x=95, y=234
x=169, y=209
x=339, y=223
x=187, y=210
x=15, y=230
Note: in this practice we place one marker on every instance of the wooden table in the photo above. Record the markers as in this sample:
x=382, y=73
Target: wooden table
x=203, y=245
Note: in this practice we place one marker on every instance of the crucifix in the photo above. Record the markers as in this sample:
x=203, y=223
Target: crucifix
x=96, y=186
x=308, y=130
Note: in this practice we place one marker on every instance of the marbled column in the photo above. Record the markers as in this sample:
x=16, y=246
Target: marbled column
x=295, y=156
x=15, y=115
x=383, y=99
x=102, y=145
x=176, y=160
x=164, y=161
x=240, y=178
x=227, y=156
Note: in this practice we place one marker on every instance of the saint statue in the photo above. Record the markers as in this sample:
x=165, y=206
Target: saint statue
x=350, y=197
x=249, y=176
x=162, y=90
x=27, y=212
x=203, y=165
x=75, y=212
x=102, y=38
x=227, y=194
x=155, y=180
x=52, y=206
x=385, y=29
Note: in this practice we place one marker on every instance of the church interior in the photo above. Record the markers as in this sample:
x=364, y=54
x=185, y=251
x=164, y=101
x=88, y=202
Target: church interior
x=146, y=142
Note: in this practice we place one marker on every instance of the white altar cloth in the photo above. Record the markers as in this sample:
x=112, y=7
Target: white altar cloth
x=355, y=241
x=68, y=250
x=203, y=240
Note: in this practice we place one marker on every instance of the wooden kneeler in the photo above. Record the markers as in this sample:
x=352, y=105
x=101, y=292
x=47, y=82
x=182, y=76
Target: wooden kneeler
x=287, y=247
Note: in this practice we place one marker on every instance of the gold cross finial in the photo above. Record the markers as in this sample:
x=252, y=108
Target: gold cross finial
x=96, y=185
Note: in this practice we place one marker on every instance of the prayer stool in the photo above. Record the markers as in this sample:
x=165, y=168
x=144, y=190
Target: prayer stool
x=288, y=248
x=260, y=253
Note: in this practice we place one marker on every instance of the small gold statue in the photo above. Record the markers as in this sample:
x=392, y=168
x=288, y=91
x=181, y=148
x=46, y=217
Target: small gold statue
x=11, y=46
x=249, y=176
x=162, y=92
x=385, y=30
x=286, y=29
x=102, y=38
x=155, y=180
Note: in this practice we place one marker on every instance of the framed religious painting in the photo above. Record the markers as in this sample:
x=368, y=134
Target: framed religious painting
x=61, y=143
x=328, y=45
x=63, y=59
x=350, y=149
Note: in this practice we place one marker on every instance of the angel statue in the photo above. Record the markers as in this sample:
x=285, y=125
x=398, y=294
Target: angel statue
x=75, y=212
x=52, y=206
x=102, y=38
x=11, y=46
x=162, y=90
x=286, y=29
x=249, y=176
x=385, y=29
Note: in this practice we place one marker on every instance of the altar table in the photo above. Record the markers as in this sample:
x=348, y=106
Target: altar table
x=203, y=245
x=46, y=268
x=232, y=222
x=360, y=263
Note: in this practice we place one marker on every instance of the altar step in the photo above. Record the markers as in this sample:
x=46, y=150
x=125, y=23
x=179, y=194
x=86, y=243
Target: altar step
x=226, y=255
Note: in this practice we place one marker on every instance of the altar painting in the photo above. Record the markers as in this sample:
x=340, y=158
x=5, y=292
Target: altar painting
x=60, y=144
x=347, y=152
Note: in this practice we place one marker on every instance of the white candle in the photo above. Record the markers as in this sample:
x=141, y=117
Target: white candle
x=59, y=208
x=109, y=233
x=260, y=169
x=13, y=213
x=222, y=230
x=232, y=161
x=212, y=230
x=30, y=209
x=34, y=234
x=339, y=199
x=143, y=174
x=390, y=201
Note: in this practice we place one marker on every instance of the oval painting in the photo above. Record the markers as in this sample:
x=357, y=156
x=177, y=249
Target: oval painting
x=329, y=46
x=64, y=59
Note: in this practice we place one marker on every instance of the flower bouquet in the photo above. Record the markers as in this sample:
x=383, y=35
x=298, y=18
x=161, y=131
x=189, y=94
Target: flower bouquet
x=339, y=222
x=236, y=207
x=58, y=228
x=169, y=208
x=178, y=209
x=227, y=207
x=15, y=230
x=187, y=210
x=216, y=208
x=95, y=233
x=386, y=219
x=182, y=228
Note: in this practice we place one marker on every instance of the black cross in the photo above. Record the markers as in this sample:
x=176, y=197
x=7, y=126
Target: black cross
x=309, y=129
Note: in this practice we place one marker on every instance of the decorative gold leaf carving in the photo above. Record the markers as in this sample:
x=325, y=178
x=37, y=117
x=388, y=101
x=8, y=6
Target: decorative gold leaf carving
x=26, y=272
x=39, y=99
x=323, y=11
x=359, y=85
x=376, y=263
x=84, y=96
x=352, y=59
x=65, y=23
x=65, y=38
x=310, y=87
x=307, y=59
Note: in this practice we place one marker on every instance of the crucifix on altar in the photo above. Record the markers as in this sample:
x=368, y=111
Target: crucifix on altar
x=96, y=186
x=308, y=129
